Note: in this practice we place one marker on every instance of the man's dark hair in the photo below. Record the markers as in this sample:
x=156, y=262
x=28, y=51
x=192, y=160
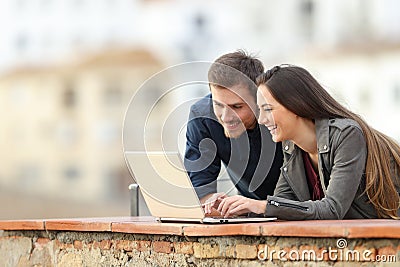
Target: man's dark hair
x=235, y=68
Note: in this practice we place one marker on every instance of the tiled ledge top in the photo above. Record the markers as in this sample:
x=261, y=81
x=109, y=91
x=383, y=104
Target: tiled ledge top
x=148, y=225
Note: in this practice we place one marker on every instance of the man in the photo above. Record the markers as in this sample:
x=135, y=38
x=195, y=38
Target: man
x=223, y=127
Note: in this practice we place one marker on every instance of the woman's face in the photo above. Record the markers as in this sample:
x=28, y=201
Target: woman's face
x=281, y=122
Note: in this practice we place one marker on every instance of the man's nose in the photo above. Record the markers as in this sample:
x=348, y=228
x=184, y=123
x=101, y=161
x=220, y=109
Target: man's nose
x=227, y=114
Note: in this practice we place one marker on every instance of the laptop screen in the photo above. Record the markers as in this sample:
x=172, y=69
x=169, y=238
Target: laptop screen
x=165, y=185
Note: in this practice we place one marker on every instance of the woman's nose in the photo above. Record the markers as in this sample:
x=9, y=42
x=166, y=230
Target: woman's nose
x=262, y=118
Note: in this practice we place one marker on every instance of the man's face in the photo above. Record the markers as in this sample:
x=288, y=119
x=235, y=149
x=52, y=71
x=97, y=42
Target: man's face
x=234, y=108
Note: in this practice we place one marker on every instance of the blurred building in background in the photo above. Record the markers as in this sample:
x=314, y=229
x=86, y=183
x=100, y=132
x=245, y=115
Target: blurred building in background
x=63, y=124
x=69, y=68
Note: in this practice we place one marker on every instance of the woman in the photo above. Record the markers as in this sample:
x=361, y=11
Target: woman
x=335, y=165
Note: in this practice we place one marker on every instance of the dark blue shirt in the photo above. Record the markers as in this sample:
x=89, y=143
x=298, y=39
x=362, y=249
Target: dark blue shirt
x=253, y=160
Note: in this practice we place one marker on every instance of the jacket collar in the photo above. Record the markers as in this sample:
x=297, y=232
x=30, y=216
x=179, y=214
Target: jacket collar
x=288, y=146
x=322, y=131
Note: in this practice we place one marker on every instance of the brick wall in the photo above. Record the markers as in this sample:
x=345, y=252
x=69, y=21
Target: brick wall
x=66, y=248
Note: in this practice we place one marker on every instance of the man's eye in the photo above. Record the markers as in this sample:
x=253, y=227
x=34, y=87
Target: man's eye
x=237, y=107
x=268, y=109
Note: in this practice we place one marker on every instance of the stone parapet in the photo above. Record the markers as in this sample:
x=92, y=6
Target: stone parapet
x=141, y=241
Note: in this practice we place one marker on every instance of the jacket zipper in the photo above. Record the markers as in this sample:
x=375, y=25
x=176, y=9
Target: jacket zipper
x=288, y=205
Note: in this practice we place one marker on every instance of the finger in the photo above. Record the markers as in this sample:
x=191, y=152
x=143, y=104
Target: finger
x=240, y=209
x=222, y=196
x=215, y=200
x=221, y=206
x=210, y=207
x=207, y=208
x=209, y=204
x=233, y=206
x=225, y=204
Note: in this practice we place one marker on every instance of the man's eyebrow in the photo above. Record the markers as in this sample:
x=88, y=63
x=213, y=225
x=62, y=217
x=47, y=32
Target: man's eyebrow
x=233, y=104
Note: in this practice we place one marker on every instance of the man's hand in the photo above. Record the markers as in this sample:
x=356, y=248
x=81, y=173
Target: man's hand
x=211, y=202
x=237, y=205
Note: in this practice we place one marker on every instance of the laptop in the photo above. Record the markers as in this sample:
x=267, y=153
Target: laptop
x=168, y=191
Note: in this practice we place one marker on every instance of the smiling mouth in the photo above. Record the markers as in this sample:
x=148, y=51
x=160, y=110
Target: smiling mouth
x=272, y=129
x=231, y=126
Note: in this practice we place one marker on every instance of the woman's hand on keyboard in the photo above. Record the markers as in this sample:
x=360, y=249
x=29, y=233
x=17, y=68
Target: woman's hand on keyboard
x=238, y=205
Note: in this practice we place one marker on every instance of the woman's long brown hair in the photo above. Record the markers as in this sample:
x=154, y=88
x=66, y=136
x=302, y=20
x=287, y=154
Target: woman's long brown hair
x=297, y=90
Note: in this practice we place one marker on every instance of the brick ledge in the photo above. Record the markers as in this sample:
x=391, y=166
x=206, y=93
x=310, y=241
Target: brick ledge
x=377, y=228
